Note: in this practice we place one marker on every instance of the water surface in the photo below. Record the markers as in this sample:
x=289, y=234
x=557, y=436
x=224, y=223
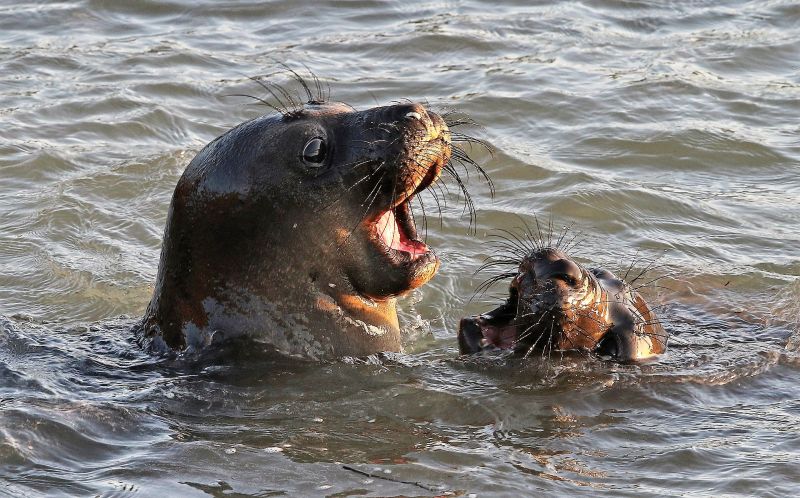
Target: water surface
x=660, y=129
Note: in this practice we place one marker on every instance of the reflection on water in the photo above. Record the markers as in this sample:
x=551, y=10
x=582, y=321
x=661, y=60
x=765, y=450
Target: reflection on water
x=665, y=130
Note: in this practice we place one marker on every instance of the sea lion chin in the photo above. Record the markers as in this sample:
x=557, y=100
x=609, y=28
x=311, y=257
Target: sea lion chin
x=296, y=230
x=555, y=304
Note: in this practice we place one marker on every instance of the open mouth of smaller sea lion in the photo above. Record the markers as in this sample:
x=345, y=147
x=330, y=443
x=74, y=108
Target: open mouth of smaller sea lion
x=493, y=330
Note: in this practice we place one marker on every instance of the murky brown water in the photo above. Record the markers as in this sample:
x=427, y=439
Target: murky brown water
x=667, y=129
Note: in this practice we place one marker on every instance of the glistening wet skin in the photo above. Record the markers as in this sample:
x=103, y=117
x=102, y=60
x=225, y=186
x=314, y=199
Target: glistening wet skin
x=316, y=188
x=557, y=305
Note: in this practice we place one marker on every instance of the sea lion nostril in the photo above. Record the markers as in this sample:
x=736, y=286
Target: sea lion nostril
x=413, y=115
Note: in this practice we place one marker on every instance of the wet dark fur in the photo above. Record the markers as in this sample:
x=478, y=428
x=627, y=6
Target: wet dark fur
x=260, y=242
x=613, y=320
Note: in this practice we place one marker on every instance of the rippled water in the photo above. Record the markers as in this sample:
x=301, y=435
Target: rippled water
x=664, y=129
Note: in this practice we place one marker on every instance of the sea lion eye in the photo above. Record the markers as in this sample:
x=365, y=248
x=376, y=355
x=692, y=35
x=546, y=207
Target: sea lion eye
x=314, y=152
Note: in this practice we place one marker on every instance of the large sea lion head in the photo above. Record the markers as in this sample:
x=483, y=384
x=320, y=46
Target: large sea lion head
x=309, y=207
x=556, y=304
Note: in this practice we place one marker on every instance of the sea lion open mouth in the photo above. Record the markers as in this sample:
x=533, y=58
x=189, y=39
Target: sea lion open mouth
x=416, y=150
x=492, y=330
x=395, y=229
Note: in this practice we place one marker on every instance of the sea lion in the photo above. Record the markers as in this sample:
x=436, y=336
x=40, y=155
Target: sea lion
x=296, y=229
x=555, y=304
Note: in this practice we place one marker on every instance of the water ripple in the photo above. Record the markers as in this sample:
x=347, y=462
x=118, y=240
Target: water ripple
x=659, y=129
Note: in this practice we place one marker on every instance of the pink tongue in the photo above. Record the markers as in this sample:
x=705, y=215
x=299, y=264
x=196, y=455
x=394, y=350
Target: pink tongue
x=392, y=236
x=388, y=229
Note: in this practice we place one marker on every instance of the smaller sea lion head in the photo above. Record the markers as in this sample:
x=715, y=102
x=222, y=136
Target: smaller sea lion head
x=556, y=305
